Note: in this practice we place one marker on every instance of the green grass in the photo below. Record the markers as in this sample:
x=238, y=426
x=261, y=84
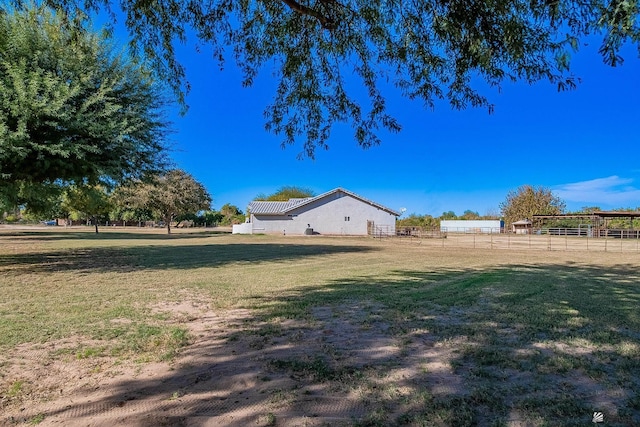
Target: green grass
x=530, y=336
x=37, y=419
x=15, y=389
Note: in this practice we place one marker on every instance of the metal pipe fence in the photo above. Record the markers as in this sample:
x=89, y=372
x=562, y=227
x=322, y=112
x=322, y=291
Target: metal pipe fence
x=558, y=239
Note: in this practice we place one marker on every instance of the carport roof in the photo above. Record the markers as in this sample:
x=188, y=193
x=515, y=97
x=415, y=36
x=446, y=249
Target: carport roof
x=601, y=214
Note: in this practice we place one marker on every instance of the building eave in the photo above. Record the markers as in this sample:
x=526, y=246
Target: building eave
x=347, y=192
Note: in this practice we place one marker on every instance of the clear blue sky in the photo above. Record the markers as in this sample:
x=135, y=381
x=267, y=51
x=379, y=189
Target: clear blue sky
x=583, y=144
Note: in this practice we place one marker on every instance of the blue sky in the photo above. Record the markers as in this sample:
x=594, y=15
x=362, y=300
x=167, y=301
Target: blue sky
x=583, y=144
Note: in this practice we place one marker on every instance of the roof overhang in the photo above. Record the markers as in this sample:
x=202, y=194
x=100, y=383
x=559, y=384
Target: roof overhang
x=598, y=214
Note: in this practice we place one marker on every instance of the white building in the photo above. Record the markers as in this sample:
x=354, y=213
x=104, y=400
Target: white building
x=472, y=226
x=337, y=212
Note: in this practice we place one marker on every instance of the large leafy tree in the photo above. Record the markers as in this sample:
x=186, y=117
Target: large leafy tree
x=431, y=50
x=172, y=194
x=72, y=109
x=527, y=201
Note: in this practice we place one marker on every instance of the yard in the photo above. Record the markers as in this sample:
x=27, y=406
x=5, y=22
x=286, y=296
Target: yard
x=144, y=329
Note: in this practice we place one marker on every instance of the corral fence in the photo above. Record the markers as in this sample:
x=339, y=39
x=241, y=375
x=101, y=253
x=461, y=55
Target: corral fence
x=589, y=232
x=565, y=239
x=380, y=231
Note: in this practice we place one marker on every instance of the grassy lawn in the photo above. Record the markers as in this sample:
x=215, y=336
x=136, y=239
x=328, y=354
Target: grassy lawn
x=415, y=335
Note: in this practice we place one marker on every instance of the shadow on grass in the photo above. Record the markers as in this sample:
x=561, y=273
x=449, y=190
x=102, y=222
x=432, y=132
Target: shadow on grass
x=159, y=257
x=107, y=234
x=517, y=345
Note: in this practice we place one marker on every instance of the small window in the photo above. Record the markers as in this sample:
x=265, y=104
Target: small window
x=347, y=218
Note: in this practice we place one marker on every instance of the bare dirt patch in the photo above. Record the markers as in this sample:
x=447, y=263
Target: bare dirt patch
x=346, y=364
x=337, y=368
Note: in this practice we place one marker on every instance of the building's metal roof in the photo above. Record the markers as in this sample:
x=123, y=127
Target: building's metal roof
x=522, y=222
x=282, y=208
x=261, y=207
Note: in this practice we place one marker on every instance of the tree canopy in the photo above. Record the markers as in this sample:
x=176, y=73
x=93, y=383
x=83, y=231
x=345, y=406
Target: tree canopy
x=287, y=192
x=415, y=220
x=449, y=215
x=431, y=50
x=470, y=215
x=231, y=214
x=527, y=201
x=72, y=109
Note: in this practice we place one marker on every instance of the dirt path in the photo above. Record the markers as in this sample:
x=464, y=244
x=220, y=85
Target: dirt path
x=236, y=373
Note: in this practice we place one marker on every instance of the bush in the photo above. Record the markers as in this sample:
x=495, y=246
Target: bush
x=11, y=218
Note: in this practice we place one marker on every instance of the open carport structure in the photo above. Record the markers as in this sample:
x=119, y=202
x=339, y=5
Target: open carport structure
x=616, y=224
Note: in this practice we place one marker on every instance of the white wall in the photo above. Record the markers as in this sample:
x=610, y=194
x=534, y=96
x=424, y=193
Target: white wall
x=471, y=226
x=326, y=216
x=244, y=228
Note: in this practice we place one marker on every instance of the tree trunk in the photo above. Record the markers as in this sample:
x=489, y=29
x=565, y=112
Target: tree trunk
x=168, y=219
x=96, y=222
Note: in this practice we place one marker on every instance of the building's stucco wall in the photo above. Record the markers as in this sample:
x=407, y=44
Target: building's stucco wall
x=471, y=226
x=326, y=216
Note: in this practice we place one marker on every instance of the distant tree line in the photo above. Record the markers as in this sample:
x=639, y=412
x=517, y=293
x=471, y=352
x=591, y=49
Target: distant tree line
x=170, y=198
x=415, y=220
x=174, y=198
x=522, y=204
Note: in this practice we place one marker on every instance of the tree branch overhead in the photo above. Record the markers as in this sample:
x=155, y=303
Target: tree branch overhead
x=326, y=22
x=323, y=52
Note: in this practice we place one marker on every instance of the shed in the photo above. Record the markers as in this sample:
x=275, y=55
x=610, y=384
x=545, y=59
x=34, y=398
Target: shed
x=524, y=226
